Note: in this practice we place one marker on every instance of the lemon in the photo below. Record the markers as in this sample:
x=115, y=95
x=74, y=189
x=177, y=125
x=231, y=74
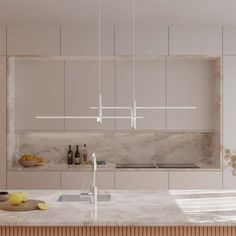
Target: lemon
x=42, y=206
x=15, y=199
x=24, y=196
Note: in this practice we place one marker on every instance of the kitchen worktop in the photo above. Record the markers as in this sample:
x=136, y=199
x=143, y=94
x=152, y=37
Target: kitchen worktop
x=132, y=208
x=107, y=167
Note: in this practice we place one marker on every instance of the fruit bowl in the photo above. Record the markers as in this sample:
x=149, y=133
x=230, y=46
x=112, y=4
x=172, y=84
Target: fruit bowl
x=28, y=163
x=28, y=160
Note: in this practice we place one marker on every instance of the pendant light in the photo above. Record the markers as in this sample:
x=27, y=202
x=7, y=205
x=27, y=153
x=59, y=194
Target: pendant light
x=99, y=116
x=134, y=108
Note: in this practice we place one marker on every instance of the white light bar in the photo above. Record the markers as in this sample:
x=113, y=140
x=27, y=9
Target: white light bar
x=88, y=117
x=143, y=108
x=107, y=108
x=168, y=108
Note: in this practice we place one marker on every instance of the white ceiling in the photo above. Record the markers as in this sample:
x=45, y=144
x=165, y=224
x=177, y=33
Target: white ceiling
x=203, y=12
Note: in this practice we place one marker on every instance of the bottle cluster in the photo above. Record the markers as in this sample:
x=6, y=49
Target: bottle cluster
x=77, y=158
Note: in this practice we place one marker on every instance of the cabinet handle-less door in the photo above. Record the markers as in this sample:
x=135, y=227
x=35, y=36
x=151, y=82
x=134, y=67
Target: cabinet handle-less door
x=33, y=180
x=83, y=180
x=33, y=40
x=39, y=91
x=195, y=180
x=141, y=180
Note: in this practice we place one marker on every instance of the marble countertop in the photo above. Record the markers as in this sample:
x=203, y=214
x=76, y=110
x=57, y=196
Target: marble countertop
x=107, y=167
x=132, y=208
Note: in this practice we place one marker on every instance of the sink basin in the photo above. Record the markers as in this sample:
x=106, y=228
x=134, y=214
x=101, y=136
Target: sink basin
x=84, y=198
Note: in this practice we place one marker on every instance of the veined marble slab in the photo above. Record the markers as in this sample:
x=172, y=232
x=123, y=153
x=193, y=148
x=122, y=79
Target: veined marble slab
x=132, y=208
x=169, y=147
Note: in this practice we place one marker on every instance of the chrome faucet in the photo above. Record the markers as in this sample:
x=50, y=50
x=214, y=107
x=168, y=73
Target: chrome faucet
x=93, y=189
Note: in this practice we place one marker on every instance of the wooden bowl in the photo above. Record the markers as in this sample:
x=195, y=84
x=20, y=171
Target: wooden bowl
x=28, y=163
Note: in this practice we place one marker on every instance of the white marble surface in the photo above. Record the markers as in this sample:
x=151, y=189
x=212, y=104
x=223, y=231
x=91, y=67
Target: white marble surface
x=108, y=167
x=122, y=147
x=132, y=208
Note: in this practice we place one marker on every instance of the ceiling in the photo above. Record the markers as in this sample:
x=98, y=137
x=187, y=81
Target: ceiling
x=201, y=12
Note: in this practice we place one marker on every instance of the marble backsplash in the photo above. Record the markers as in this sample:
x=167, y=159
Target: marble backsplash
x=123, y=146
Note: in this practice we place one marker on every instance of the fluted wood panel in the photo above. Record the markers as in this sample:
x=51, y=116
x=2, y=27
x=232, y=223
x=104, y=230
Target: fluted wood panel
x=118, y=231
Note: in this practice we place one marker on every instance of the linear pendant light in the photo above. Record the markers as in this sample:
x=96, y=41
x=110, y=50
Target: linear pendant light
x=134, y=107
x=87, y=117
x=133, y=110
x=99, y=116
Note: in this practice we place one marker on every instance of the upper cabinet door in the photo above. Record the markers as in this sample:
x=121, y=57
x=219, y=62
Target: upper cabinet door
x=3, y=45
x=149, y=39
x=82, y=40
x=81, y=93
x=195, y=40
x=229, y=113
x=33, y=40
x=149, y=88
x=191, y=83
x=39, y=91
x=229, y=38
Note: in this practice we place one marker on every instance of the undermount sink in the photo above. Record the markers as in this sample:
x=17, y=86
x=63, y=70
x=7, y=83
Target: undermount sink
x=83, y=198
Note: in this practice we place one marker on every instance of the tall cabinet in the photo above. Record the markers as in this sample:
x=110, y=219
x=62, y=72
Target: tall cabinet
x=3, y=101
x=229, y=112
x=229, y=115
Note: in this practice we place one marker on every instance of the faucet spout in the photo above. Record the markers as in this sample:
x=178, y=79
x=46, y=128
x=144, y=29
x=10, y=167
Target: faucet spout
x=93, y=187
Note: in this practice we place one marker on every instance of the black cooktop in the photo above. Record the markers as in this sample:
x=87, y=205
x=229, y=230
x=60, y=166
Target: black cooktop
x=156, y=165
x=136, y=165
x=177, y=165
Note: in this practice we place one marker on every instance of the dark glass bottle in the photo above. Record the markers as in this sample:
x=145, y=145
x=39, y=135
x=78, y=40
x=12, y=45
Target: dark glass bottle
x=85, y=153
x=70, y=156
x=77, y=156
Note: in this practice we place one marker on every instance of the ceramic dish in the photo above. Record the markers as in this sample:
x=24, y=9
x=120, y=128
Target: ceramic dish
x=4, y=196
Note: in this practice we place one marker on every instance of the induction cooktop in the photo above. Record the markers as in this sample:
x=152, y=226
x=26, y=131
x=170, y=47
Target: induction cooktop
x=156, y=165
x=177, y=165
x=136, y=165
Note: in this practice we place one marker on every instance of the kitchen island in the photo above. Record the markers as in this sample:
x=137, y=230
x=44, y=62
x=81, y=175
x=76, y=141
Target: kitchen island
x=176, y=212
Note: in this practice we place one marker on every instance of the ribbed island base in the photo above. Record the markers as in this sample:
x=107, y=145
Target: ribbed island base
x=117, y=231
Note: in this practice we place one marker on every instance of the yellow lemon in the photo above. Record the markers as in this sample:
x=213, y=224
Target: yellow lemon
x=24, y=196
x=42, y=206
x=15, y=199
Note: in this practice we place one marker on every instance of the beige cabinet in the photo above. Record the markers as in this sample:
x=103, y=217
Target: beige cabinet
x=143, y=180
x=229, y=115
x=195, y=40
x=3, y=42
x=149, y=39
x=33, y=180
x=82, y=180
x=191, y=83
x=81, y=92
x=3, y=122
x=33, y=40
x=229, y=37
x=82, y=40
x=195, y=180
x=149, y=88
x=39, y=91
